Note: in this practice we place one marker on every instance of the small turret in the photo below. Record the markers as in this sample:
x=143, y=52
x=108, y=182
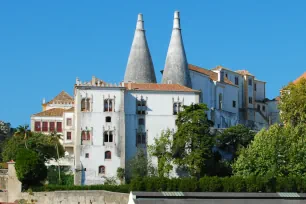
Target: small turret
x=140, y=67
x=176, y=68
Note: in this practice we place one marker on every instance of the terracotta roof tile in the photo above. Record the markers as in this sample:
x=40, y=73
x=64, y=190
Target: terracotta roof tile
x=212, y=75
x=62, y=98
x=51, y=112
x=70, y=110
x=244, y=72
x=158, y=87
x=298, y=79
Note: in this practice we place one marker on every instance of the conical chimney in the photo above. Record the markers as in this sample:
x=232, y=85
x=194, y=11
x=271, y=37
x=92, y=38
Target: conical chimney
x=140, y=67
x=176, y=68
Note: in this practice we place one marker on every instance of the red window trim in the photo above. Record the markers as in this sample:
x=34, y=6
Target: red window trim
x=52, y=127
x=68, y=136
x=59, y=127
x=37, y=126
x=45, y=126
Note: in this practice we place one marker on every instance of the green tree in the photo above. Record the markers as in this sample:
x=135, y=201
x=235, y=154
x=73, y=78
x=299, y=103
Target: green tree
x=278, y=151
x=192, y=143
x=30, y=168
x=120, y=174
x=38, y=142
x=24, y=132
x=140, y=165
x=55, y=138
x=293, y=103
x=161, y=149
x=234, y=138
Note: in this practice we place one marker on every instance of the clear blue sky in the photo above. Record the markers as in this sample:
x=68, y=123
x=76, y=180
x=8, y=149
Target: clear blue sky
x=45, y=45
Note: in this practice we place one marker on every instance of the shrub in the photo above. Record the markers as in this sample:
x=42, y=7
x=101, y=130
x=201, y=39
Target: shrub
x=210, y=184
x=30, y=169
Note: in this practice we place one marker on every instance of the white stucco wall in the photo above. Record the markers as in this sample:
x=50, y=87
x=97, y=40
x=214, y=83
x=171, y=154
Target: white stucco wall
x=260, y=90
x=159, y=116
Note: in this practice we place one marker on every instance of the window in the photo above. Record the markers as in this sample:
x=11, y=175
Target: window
x=108, y=105
x=45, y=126
x=68, y=135
x=236, y=80
x=141, y=107
x=177, y=106
x=108, y=155
x=68, y=121
x=86, y=155
x=234, y=104
x=85, y=135
x=250, y=100
x=220, y=101
x=254, y=86
x=258, y=107
x=52, y=126
x=108, y=136
x=226, y=75
x=250, y=82
x=141, y=121
x=263, y=108
x=59, y=126
x=37, y=126
x=108, y=119
x=140, y=138
x=85, y=104
x=101, y=169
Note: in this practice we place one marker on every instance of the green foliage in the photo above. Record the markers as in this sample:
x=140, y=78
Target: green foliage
x=140, y=165
x=66, y=176
x=42, y=144
x=30, y=168
x=192, y=143
x=112, y=188
x=161, y=149
x=234, y=138
x=293, y=103
x=278, y=151
x=120, y=174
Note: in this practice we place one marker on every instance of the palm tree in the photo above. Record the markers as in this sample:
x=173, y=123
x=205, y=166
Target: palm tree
x=23, y=130
x=55, y=137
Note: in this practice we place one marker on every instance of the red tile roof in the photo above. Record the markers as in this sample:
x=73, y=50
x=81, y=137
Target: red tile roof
x=62, y=98
x=158, y=87
x=70, y=110
x=244, y=72
x=51, y=112
x=212, y=75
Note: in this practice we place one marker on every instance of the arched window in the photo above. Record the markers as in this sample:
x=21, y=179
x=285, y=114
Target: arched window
x=105, y=136
x=102, y=169
x=108, y=119
x=108, y=155
x=110, y=136
x=85, y=104
x=220, y=101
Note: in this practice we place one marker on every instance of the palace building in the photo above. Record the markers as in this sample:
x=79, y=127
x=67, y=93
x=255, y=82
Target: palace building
x=103, y=125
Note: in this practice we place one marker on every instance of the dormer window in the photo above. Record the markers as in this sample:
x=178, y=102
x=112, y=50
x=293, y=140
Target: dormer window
x=108, y=105
x=177, y=107
x=85, y=104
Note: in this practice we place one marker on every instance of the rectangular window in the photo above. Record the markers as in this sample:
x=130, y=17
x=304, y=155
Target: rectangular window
x=250, y=100
x=52, y=126
x=263, y=108
x=236, y=80
x=254, y=86
x=234, y=104
x=86, y=155
x=141, y=107
x=68, y=135
x=59, y=127
x=140, y=138
x=177, y=106
x=85, y=104
x=45, y=126
x=37, y=126
x=258, y=107
x=250, y=82
x=68, y=121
